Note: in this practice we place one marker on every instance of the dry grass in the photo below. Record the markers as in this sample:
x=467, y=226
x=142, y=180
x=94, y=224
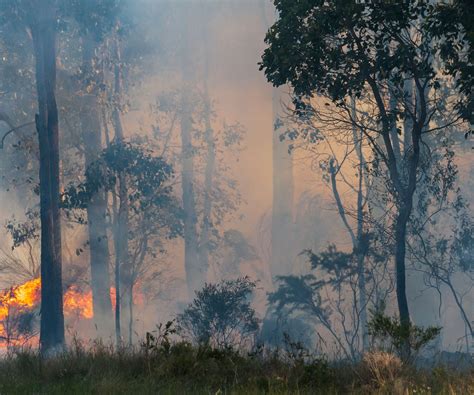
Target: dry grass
x=184, y=369
x=383, y=368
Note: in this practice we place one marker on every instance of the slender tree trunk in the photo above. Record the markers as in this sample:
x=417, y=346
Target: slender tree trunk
x=209, y=170
x=393, y=128
x=208, y=183
x=361, y=247
x=52, y=318
x=97, y=207
x=400, y=252
x=407, y=121
x=122, y=269
x=283, y=184
x=194, y=273
x=130, y=316
x=115, y=232
x=191, y=262
x=282, y=207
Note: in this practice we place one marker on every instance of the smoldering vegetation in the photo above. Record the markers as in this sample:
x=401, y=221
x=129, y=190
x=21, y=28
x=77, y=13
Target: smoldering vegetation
x=236, y=196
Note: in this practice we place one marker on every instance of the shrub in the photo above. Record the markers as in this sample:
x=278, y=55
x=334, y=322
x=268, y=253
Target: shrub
x=391, y=336
x=221, y=315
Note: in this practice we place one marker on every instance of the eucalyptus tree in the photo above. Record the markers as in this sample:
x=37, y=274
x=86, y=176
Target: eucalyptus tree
x=41, y=19
x=153, y=214
x=341, y=50
x=283, y=183
x=94, y=20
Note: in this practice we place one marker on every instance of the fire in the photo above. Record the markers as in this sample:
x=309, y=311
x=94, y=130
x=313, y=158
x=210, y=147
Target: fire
x=27, y=296
x=21, y=297
x=23, y=301
x=77, y=303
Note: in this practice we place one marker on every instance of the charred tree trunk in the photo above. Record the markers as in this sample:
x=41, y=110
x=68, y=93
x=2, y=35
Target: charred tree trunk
x=52, y=319
x=97, y=207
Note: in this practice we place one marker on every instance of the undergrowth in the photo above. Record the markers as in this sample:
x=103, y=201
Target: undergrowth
x=159, y=366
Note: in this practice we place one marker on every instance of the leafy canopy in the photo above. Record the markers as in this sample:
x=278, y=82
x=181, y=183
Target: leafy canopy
x=334, y=48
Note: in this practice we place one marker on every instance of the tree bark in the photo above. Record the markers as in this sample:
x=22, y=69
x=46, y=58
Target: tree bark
x=97, y=207
x=400, y=252
x=52, y=319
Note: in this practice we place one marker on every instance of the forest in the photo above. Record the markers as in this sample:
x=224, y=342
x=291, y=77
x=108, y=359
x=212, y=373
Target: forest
x=236, y=196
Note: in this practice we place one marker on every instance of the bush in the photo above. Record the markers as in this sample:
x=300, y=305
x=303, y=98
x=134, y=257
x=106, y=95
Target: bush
x=221, y=315
x=389, y=335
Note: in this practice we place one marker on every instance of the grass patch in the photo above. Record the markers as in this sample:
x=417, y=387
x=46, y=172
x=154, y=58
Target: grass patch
x=181, y=368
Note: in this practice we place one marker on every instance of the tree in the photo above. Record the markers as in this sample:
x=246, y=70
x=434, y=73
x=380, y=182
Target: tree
x=220, y=314
x=95, y=20
x=152, y=211
x=42, y=20
x=339, y=50
x=283, y=183
x=329, y=295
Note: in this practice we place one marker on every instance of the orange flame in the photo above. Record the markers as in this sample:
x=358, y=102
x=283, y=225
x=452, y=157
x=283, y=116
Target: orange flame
x=77, y=303
x=27, y=296
x=21, y=297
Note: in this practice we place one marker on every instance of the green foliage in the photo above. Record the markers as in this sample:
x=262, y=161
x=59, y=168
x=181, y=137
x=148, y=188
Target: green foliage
x=221, y=315
x=148, y=179
x=335, y=47
x=455, y=29
x=300, y=293
x=388, y=333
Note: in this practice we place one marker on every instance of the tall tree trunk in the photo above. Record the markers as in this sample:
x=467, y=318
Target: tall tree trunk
x=361, y=248
x=404, y=191
x=122, y=269
x=130, y=316
x=401, y=223
x=204, y=238
x=282, y=207
x=191, y=261
x=194, y=273
x=52, y=319
x=283, y=184
x=97, y=207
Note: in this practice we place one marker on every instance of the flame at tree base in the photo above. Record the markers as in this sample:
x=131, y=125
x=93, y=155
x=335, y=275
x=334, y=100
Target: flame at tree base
x=20, y=304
